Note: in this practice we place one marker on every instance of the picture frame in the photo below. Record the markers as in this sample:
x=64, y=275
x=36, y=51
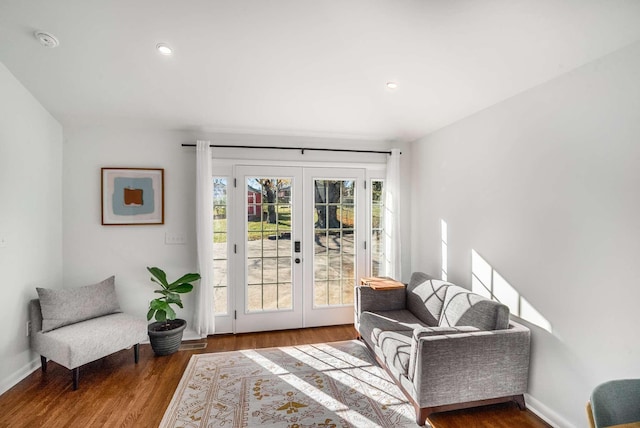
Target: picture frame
x=132, y=196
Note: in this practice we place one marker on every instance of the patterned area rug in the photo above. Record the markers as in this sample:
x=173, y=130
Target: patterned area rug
x=327, y=385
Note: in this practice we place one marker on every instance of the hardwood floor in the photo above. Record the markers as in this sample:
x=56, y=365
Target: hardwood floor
x=115, y=392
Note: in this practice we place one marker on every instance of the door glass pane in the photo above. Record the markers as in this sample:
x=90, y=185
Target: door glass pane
x=269, y=244
x=377, y=228
x=220, y=257
x=334, y=252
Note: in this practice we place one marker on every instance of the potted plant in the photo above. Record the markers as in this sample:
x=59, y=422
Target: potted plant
x=165, y=334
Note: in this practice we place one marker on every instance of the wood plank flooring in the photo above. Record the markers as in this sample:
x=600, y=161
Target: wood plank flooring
x=115, y=392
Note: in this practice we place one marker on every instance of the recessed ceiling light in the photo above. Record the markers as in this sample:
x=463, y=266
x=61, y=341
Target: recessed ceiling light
x=392, y=85
x=164, y=49
x=47, y=39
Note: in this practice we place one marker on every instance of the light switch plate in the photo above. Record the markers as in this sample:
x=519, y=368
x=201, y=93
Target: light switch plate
x=174, y=239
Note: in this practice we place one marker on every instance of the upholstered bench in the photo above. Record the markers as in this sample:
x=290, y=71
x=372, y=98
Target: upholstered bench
x=75, y=326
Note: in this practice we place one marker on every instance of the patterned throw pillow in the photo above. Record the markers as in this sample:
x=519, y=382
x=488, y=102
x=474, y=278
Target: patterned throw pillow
x=66, y=306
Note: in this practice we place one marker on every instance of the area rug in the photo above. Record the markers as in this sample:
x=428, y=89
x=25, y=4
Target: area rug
x=327, y=385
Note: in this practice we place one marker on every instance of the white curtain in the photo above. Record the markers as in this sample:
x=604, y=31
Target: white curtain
x=204, y=317
x=392, y=253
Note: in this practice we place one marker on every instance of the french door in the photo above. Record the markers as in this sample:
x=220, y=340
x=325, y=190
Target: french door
x=270, y=269
x=297, y=246
x=334, y=221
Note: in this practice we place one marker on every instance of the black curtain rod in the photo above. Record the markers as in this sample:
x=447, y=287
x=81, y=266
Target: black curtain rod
x=302, y=149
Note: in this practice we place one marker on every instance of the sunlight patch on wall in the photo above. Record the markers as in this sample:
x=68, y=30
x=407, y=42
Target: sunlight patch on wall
x=487, y=282
x=529, y=313
x=445, y=260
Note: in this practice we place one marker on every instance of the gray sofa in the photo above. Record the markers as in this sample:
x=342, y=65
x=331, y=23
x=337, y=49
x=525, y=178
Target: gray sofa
x=75, y=326
x=446, y=347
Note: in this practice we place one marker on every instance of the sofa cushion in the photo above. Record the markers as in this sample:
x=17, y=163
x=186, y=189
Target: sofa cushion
x=66, y=306
x=425, y=297
x=374, y=323
x=395, y=347
x=462, y=307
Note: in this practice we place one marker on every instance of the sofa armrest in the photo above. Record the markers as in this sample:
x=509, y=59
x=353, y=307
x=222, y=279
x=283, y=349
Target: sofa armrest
x=470, y=366
x=419, y=333
x=368, y=299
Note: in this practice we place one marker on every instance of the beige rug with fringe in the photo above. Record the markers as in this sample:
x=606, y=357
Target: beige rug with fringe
x=326, y=385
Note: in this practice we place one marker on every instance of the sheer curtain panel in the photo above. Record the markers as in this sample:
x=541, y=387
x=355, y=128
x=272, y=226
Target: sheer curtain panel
x=392, y=265
x=204, y=317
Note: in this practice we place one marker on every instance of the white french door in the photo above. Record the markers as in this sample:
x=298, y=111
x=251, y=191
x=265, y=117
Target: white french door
x=300, y=245
x=270, y=270
x=334, y=221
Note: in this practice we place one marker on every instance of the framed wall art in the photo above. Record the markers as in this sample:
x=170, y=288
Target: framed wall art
x=132, y=196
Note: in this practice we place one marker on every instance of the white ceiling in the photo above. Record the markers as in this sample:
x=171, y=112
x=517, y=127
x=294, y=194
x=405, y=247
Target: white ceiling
x=300, y=67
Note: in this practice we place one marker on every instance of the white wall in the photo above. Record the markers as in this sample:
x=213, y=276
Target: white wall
x=545, y=187
x=30, y=217
x=92, y=251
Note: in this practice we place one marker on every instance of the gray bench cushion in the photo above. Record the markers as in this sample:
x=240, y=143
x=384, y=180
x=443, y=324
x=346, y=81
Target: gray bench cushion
x=462, y=307
x=86, y=341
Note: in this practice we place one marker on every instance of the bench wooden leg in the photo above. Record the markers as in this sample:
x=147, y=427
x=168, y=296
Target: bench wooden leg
x=75, y=373
x=136, y=352
x=43, y=363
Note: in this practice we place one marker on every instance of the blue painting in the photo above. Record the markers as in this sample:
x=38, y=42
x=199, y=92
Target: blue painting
x=133, y=196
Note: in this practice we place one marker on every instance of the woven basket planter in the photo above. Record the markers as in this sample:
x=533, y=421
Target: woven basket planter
x=166, y=340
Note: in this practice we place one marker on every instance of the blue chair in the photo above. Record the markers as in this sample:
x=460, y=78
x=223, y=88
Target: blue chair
x=615, y=402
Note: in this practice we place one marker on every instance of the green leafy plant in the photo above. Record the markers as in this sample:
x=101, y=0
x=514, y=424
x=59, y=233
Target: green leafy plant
x=160, y=308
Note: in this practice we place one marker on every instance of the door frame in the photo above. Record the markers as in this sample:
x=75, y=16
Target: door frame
x=226, y=167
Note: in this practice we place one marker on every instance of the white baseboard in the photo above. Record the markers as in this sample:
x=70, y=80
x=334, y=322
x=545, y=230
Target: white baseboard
x=547, y=414
x=14, y=379
x=190, y=335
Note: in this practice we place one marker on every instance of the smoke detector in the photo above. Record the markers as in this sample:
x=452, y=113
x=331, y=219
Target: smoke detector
x=47, y=39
